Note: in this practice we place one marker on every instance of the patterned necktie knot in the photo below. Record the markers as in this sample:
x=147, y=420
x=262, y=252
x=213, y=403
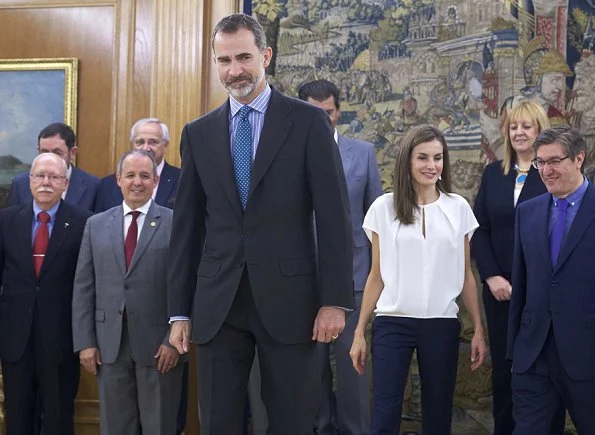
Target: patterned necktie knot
x=43, y=217
x=244, y=111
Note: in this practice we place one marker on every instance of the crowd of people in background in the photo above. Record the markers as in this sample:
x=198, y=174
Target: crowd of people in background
x=272, y=248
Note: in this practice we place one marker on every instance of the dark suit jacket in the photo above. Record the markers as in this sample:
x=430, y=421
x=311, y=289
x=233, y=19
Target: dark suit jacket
x=24, y=296
x=297, y=171
x=82, y=188
x=493, y=242
x=562, y=296
x=109, y=194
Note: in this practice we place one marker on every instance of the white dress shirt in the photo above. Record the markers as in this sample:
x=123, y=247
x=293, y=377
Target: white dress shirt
x=140, y=220
x=159, y=170
x=422, y=275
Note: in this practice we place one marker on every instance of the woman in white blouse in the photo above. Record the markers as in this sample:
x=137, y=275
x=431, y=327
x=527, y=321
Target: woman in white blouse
x=420, y=264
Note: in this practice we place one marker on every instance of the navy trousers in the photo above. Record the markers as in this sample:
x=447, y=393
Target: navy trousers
x=544, y=388
x=436, y=341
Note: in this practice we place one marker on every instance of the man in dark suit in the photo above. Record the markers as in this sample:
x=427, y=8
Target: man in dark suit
x=119, y=308
x=39, y=246
x=551, y=327
x=150, y=135
x=59, y=139
x=243, y=261
x=347, y=409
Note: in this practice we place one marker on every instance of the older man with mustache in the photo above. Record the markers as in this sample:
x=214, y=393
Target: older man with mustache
x=39, y=246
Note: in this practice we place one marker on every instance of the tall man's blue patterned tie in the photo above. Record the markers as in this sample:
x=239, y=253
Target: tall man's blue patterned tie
x=242, y=155
x=558, y=231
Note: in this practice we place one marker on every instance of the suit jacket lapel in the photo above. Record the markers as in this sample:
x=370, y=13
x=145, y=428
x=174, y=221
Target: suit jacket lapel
x=24, y=229
x=165, y=186
x=346, y=154
x=533, y=185
x=277, y=126
x=60, y=231
x=76, y=187
x=116, y=230
x=584, y=217
x=221, y=148
x=150, y=227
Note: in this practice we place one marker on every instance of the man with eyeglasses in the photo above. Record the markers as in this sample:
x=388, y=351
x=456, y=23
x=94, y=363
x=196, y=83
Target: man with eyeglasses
x=59, y=138
x=150, y=135
x=551, y=327
x=39, y=247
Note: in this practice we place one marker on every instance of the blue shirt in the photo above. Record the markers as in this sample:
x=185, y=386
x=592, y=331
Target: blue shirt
x=574, y=203
x=52, y=212
x=256, y=117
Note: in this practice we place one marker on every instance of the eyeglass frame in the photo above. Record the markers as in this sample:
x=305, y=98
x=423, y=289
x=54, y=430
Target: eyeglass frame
x=51, y=177
x=554, y=162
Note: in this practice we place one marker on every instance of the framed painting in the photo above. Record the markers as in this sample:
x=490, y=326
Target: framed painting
x=33, y=94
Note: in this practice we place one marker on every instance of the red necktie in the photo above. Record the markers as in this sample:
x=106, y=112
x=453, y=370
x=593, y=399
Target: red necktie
x=131, y=236
x=40, y=244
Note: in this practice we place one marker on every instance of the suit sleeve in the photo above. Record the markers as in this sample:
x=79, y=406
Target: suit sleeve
x=188, y=233
x=333, y=221
x=519, y=287
x=374, y=184
x=481, y=246
x=83, y=296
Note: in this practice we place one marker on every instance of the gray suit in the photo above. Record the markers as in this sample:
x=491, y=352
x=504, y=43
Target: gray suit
x=347, y=410
x=124, y=314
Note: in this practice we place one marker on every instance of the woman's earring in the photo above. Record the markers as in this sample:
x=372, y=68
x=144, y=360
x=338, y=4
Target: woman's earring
x=440, y=177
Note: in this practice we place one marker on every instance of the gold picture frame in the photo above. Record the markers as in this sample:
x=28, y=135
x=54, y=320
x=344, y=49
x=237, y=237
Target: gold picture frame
x=69, y=65
x=34, y=93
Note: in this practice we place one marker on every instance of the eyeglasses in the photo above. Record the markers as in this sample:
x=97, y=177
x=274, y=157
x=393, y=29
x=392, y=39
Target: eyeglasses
x=52, y=178
x=150, y=142
x=554, y=162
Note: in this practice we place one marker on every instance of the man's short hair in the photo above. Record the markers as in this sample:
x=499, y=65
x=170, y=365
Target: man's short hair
x=141, y=122
x=319, y=90
x=235, y=22
x=58, y=129
x=138, y=153
x=570, y=138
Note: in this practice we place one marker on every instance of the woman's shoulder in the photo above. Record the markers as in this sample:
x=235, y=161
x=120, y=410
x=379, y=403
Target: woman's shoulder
x=454, y=200
x=383, y=200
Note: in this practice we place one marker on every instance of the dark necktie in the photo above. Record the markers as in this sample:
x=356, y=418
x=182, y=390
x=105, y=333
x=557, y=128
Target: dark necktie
x=131, y=236
x=40, y=244
x=242, y=155
x=558, y=231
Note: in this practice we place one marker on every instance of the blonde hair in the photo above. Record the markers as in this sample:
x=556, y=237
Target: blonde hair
x=524, y=111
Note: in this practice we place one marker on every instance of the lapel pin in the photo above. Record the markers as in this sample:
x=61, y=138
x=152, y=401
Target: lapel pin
x=66, y=224
x=153, y=224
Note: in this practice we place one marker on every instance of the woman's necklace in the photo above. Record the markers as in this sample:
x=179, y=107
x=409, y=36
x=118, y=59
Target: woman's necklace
x=522, y=174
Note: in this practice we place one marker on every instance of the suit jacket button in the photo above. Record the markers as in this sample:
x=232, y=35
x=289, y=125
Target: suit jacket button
x=125, y=286
x=554, y=283
x=120, y=311
x=37, y=288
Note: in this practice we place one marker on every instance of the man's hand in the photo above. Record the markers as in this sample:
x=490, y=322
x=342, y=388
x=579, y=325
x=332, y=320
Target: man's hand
x=329, y=323
x=179, y=336
x=167, y=358
x=90, y=359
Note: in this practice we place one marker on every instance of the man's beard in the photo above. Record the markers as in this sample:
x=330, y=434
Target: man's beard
x=244, y=91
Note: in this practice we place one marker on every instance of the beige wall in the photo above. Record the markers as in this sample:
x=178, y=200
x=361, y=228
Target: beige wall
x=137, y=58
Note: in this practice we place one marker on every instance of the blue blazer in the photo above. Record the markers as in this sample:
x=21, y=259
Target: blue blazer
x=363, y=187
x=109, y=194
x=493, y=242
x=82, y=188
x=562, y=297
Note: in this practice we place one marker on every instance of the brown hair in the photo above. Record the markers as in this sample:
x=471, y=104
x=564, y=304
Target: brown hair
x=404, y=197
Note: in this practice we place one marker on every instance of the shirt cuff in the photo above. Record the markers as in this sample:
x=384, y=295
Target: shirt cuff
x=173, y=319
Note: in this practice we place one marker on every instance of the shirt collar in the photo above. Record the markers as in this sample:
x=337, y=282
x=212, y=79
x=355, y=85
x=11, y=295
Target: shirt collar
x=575, y=196
x=52, y=211
x=69, y=172
x=144, y=209
x=260, y=103
x=336, y=136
